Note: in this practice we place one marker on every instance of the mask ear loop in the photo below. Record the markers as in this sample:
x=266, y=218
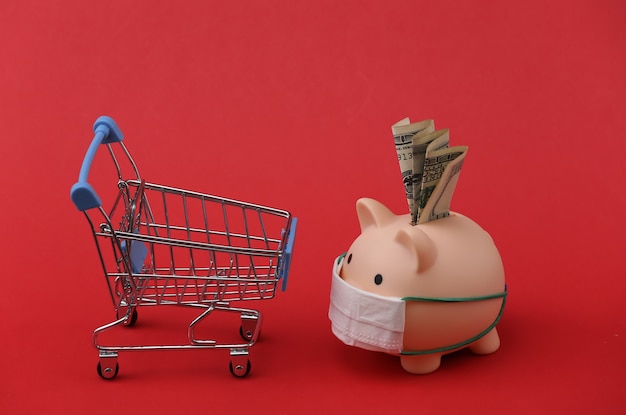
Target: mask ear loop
x=502, y=295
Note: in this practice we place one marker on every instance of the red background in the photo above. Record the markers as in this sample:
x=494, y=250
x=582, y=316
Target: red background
x=289, y=103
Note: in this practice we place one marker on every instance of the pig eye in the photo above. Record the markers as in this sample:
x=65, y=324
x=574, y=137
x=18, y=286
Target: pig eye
x=378, y=279
x=349, y=258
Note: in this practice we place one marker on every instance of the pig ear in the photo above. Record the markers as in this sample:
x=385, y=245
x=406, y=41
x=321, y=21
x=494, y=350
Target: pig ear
x=372, y=213
x=420, y=245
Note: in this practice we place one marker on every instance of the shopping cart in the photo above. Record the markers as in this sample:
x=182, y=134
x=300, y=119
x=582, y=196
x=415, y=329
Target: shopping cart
x=161, y=245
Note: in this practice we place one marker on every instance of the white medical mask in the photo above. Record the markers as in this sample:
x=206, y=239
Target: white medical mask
x=374, y=322
x=363, y=319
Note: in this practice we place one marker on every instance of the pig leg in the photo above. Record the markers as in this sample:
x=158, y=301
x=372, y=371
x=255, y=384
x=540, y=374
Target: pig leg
x=489, y=343
x=421, y=364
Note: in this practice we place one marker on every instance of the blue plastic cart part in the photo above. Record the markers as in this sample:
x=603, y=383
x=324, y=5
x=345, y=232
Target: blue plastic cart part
x=283, y=271
x=138, y=254
x=83, y=195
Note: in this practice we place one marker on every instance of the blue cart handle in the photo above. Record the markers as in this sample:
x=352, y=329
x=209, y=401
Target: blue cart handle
x=83, y=195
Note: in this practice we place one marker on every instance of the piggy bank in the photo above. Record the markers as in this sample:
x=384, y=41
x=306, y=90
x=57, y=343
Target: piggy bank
x=418, y=291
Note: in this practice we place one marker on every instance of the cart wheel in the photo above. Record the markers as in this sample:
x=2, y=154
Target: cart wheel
x=240, y=371
x=248, y=327
x=132, y=320
x=245, y=334
x=108, y=373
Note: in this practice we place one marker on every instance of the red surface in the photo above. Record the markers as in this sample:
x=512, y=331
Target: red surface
x=289, y=104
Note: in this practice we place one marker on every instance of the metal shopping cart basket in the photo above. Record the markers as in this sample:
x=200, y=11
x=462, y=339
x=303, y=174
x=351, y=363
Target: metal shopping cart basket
x=161, y=245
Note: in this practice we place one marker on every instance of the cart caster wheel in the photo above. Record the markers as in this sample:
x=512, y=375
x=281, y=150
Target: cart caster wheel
x=245, y=334
x=131, y=320
x=249, y=323
x=239, y=370
x=108, y=372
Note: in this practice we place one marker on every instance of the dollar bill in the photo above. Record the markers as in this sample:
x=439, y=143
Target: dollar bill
x=422, y=144
x=404, y=132
x=441, y=174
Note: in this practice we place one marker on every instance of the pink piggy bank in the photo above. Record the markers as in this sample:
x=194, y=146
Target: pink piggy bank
x=418, y=291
